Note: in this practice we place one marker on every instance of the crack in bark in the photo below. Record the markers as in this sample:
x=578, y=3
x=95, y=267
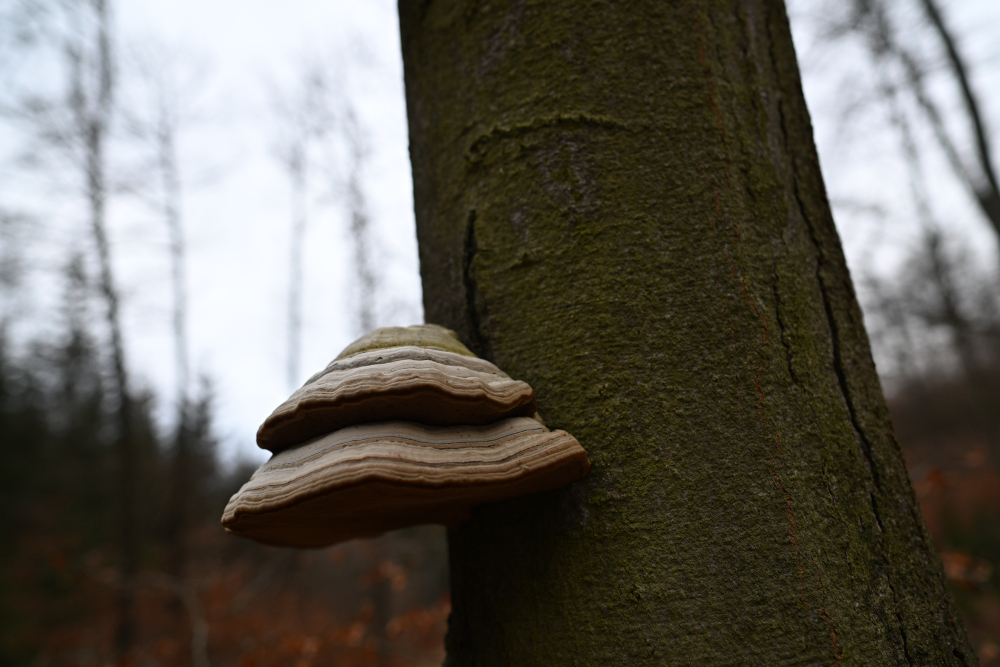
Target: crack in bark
x=478, y=342
x=840, y=518
x=838, y=364
x=789, y=355
x=826, y=477
x=902, y=631
x=838, y=367
x=776, y=451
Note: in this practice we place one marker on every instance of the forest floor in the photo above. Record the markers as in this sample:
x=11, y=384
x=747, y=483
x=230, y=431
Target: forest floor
x=384, y=602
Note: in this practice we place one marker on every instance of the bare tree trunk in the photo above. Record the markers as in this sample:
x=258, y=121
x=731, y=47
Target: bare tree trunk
x=180, y=473
x=623, y=207
x=93, y=124
x=300, y=213
x=170, y=173
x=304, y=116
x=360, y=231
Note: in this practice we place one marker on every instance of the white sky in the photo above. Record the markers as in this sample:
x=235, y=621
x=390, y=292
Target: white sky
x=237, y=205
x=239, y=224
x=865, y=167
x=237, y=208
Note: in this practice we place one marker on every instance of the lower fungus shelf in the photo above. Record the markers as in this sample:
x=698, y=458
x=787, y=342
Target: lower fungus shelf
x=363, y=480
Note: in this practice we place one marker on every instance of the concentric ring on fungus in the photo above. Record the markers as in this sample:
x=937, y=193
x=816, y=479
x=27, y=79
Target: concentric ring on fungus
x=366, y=479
x=425, y=385
x=405, y=427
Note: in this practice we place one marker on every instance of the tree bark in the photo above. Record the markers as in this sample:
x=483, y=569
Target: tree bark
x=624, y=207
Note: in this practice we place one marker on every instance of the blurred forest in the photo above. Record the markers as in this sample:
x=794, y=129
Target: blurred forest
x=111, y=550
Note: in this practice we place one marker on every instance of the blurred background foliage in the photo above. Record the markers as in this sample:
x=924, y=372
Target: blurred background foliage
x=110, y=546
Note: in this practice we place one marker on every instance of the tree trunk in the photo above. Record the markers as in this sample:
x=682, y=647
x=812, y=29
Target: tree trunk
x=165, y=135
x=92, y=124
x=300, y=217
x=623, y=207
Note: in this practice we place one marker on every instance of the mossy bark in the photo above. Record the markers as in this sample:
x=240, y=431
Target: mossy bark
x=621, y=204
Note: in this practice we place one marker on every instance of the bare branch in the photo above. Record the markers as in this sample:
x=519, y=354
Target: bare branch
x=306, y=117
x=972, y=107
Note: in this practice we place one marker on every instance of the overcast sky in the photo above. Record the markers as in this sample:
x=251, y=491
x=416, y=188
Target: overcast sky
x=236, y=198
x=236, y=205
x=238, y=220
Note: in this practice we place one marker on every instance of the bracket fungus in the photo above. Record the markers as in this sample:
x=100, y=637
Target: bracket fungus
x=406, y=426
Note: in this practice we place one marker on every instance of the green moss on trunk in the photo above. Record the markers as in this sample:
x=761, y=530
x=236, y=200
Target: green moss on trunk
x=621, y=204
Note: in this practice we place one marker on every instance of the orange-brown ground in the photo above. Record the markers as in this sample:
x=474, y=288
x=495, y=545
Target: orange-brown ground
x=374, y=603
x=384, y=602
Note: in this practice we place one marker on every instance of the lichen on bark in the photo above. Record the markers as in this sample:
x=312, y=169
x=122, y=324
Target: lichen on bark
x=622, y=205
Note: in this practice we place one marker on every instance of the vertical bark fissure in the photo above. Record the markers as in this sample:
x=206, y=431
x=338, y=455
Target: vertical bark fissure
x=826, y=475
x=838, y=364
x=785, y=343
x=760, y=112
x=479, y=343
x=858, y=429
x=827, y=302
x=838, y=653
x=777, y=454
x=838, y=367
x=821, y=607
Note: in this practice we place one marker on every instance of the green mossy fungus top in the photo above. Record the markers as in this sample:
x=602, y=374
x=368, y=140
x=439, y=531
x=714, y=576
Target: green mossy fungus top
x=429, y=336
x=621, y=204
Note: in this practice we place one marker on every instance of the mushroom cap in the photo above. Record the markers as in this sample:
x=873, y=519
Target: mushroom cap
x=427, y=336
x=363, y=480
x=422, y=374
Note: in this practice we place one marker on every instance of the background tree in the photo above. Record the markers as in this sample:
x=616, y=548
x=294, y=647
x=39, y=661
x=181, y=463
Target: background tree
x=306, y=118
x=909, y=66
x=166, y=82
x=320, y=133
x=638, y=227
x=365, y=278
x=75, y=129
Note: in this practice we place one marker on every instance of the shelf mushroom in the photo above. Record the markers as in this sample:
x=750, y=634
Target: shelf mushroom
x=421, y=373
x=406, y=426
